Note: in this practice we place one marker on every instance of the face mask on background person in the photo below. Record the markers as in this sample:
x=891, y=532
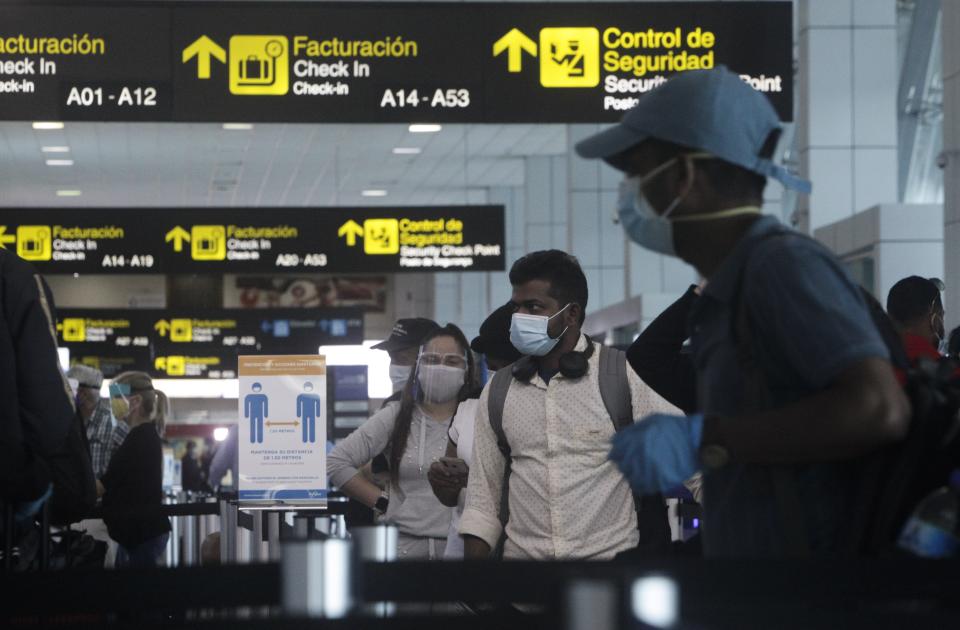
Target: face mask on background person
x=653, y=231
x=529, y=333
x=399, y=375
x=440, y=383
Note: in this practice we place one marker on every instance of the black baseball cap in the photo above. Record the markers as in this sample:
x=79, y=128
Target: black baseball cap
x=408, y=333
x=494, y=337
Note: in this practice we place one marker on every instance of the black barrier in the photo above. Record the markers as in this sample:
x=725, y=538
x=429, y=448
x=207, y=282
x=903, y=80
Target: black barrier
x=713, y=593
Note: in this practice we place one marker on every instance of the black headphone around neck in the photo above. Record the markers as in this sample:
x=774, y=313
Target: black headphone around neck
x=573, y=364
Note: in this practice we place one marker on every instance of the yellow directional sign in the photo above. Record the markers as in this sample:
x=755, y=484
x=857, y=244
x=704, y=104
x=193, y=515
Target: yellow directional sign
x=515, y=43
x=203, y=49
x=178, y=235
x=162, y=327
x=381, y=236
x=173, y=366
x=74, y=329
x=6, y=239
x=34, y=242
x=181, y=330
x=208, y=242
x=569, y=57
x=351, y=230
x=259, y=65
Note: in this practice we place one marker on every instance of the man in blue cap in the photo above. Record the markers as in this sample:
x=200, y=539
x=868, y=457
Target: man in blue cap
x=794, y=380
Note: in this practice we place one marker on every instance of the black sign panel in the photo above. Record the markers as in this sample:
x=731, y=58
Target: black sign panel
x=369, y=62
x=257, y=240
x=173, y=344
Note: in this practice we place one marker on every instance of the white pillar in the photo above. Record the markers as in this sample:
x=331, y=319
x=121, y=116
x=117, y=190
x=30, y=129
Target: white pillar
x=847, y=124
x=950, y=23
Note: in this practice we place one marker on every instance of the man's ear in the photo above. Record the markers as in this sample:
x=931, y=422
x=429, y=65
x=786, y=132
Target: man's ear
x=571, y=317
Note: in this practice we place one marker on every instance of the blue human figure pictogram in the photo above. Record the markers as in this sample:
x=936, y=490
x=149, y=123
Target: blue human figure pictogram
x=256, y=407
x=308, y=408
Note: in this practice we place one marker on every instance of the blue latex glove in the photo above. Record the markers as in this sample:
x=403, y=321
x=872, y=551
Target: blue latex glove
x=658, y=453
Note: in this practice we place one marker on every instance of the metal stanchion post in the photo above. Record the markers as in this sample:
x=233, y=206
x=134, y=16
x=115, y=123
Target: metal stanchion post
x=191, y=546
x=244, y=538
x=256, y=537
x=316, y=578
x=273, y=536
x=228, y=532
x=300, y=527
x=173, y=544
x=376, y=544
x=591, y=605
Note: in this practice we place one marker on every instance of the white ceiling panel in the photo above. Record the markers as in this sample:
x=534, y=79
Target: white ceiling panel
x=180, y=164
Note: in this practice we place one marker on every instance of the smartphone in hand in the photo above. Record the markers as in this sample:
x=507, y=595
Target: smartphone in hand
x=454, y=465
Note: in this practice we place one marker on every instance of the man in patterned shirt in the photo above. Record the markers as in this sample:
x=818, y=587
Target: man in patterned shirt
x=105, y=436
x=567, y=501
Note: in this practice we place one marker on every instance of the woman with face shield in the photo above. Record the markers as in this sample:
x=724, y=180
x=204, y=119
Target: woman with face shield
x=413, y=432
x=134, y=478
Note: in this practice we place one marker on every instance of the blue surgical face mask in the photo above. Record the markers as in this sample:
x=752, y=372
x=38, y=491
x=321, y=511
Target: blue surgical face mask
x=653, y=231
x=528, y=333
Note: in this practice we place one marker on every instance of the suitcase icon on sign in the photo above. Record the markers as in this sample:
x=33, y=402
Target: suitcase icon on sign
x=259, y=64
x=257, y=69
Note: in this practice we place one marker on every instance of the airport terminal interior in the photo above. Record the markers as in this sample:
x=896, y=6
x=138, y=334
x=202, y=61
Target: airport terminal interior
x=579, y=315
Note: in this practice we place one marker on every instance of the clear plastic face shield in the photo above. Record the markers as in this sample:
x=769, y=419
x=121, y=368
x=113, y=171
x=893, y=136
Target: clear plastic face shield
x=441, y=376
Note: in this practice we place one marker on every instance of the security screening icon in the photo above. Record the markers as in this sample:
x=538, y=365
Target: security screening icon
x=569, y=56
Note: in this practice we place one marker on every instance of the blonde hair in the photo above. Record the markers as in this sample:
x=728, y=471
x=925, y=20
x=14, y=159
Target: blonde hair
x=141, y=384
x=161, y=411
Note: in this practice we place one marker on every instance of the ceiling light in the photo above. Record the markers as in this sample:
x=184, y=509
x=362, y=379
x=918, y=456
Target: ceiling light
x=374, y=192
x=69, y=193
x=55, y=149
x=237, y=126
x=422, y=128
x=47, y=126
x=406, y=150
x=59, y=162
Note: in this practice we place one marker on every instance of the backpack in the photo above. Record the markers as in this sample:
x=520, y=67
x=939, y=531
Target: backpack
x=895, y=478
x=615, y=391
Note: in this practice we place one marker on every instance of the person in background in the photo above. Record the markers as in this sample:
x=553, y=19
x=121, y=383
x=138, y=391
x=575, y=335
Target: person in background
x=794, y=380
x=953, y=344
x=413, y=432
x=566, y=501
x=192, y=476
x=402, y=345
x=658, y=356
x=38, y=414
x=449, y=482
x=915, y=306
x=134, y=480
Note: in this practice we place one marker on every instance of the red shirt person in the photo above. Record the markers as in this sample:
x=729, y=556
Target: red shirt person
x=915, y=306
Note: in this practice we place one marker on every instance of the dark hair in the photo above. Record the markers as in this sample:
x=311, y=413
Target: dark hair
x=412, y=395
x=910, y=299
x=560, y=269
x=729, y=180
x=953, y=343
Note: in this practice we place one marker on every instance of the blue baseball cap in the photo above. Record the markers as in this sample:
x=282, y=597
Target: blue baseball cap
x=709, y=110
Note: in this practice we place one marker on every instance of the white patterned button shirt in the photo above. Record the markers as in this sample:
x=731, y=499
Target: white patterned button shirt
x=567, y=500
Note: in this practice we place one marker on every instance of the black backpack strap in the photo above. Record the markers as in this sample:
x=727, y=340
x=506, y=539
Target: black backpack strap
x=614, y=387
x=652, y=523
x=497, y=399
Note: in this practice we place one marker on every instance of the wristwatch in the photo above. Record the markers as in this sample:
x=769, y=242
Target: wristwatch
x=380, y=507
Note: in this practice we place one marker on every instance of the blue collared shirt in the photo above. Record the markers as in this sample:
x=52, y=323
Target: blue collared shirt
x=807, y=323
